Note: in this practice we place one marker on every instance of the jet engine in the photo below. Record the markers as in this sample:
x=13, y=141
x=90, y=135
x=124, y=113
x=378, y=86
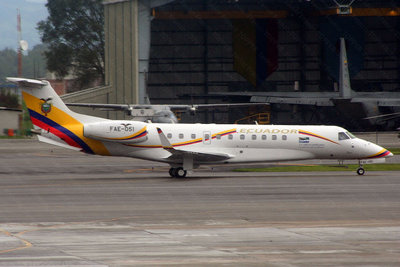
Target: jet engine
x=116, y=131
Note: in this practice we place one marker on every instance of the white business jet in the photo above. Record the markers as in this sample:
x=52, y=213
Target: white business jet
x=187, y=146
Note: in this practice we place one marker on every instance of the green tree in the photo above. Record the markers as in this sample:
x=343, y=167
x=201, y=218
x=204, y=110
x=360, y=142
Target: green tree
x=8, y=100
x=8, y=63
x=33, y=63
x=74, y=36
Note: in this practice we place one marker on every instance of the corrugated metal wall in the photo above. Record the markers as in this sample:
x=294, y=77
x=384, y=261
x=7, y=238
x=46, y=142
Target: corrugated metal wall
x=182, y=50
x=121, y=51
x=195, y=56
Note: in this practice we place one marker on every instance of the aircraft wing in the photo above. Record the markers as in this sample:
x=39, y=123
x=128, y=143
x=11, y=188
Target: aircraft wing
x=172, y=106
x=389, y=116
x=138, y=111
x=386, y=102
x=101, y=106
x=211, y=106
x=298, y=98
x=315, y=101
x=180, y=155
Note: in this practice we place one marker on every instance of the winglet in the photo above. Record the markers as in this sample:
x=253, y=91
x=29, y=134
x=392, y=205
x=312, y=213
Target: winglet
x=164, y=141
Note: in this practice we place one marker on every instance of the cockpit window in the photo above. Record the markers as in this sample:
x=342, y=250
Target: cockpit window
x=352, y=136
x=343, y=136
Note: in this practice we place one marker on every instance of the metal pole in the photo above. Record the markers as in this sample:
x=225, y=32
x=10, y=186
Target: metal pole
x=19, y=44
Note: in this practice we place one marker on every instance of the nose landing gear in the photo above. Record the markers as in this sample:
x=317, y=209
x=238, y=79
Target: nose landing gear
x=360, y=170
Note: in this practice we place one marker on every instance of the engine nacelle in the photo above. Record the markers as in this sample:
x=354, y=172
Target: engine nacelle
x=116, y=131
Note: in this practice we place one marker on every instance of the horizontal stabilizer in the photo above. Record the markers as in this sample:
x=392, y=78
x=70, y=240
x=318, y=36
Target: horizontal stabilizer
x=55, y=143
x=26, y=82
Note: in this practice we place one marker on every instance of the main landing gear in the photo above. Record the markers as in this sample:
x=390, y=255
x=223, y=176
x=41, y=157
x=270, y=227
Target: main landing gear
x=177, y=172
x=360, y=170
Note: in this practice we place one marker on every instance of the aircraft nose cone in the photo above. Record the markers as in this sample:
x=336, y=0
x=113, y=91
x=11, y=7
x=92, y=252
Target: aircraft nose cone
x=386, y=153
x=380, y=152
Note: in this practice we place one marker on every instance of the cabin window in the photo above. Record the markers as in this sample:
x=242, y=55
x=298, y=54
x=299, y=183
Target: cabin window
x=274, y=137
x=193, y=136
x=242, y=136
x=254, y=137
x=284, y=137
x=343, y=136
x=263, y=137
x=230, y=137
x=181, y=136
x=169, y=136
x=218, y=137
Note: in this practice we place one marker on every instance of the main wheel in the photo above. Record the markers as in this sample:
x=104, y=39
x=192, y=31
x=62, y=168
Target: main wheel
x=360, y=171
x=180, y=172
x=172, y=172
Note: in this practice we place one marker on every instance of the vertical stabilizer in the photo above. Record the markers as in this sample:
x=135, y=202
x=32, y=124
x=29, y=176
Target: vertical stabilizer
x=39, y=96
x=56, y=123
x=344, y=76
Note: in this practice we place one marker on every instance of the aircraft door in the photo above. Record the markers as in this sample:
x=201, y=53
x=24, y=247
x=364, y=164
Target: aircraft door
x=347, y=139
x=207, y=138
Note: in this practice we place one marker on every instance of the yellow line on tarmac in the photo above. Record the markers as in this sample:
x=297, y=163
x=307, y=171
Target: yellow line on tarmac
x=27, y=244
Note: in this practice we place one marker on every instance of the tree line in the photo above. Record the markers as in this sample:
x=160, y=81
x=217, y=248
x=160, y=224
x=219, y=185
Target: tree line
x=73, y=44
x=33, y=63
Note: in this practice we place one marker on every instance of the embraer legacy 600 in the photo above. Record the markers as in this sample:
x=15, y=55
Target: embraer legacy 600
x=187, y=146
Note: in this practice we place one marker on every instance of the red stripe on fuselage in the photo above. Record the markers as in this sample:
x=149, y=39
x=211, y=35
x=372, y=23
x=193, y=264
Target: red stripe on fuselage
x=383, y=154
x=189, y=143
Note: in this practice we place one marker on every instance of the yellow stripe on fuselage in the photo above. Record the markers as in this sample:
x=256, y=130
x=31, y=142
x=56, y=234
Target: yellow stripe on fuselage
x=224, y=132
x=379, y=154
x=65, y=120
x=316, y=135
x=184, y=143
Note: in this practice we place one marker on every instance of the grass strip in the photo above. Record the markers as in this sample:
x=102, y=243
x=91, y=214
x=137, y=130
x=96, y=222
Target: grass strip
x=324, y=168
x=395, y=150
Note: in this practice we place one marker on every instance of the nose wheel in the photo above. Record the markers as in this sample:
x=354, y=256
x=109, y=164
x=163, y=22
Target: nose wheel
x=177, y=172
x=360, y=170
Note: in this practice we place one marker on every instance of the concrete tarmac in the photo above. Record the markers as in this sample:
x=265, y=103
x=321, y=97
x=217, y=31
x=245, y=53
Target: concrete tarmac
x=64, y=208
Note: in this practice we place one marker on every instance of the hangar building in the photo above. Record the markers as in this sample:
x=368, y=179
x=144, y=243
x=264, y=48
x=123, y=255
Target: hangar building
x=185, y=51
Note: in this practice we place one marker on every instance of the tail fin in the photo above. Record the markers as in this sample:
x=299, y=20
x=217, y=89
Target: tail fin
x=344, y=75
x=40, y=97
x=58, y=124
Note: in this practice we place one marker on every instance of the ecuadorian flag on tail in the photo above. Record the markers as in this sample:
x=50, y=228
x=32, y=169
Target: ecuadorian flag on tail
x=55, y=119
x=255, y=48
